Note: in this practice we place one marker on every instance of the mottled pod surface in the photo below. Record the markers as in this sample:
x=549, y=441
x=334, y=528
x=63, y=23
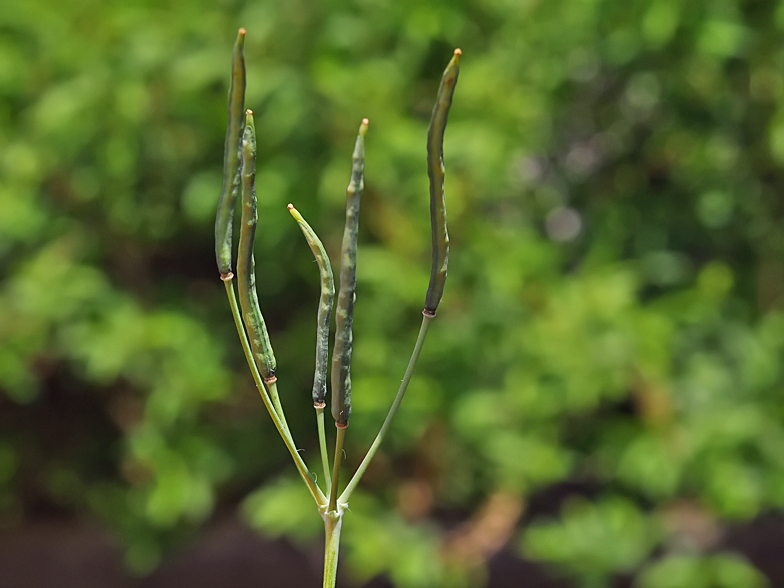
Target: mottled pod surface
x=344, y=312
x=325, y=307
x=435, y=171
x=246, y=264
x=231, y=159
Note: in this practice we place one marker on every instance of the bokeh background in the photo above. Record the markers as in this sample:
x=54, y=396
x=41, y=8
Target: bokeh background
x=599, y=402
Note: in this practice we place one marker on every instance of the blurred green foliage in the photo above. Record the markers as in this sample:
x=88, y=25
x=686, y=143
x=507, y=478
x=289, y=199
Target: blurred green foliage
x=612, y=322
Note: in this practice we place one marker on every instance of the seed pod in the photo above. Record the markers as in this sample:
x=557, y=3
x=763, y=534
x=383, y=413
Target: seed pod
x=435, y=171
x=231, y=159
x=325, y=308
x=246, y=265
x=344, y=314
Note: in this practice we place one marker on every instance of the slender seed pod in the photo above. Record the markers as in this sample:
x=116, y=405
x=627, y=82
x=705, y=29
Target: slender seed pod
x=435, y=171
x=324, y=311
x=344, y=314
x=231, y=159
x=246, y=265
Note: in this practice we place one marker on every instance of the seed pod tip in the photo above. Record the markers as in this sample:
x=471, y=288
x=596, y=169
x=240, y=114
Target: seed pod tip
x=458, y=52
x=297, y=217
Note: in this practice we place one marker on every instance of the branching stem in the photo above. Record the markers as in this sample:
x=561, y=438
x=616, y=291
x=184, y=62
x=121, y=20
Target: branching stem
x=333, y=495
x=323, y=446
x=272, y=389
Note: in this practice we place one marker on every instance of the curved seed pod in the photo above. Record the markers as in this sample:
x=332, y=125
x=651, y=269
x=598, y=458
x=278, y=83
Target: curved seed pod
x=344, y=314
x=246, y=265
x=435, y=171
x=231, y=159
x=325, y=308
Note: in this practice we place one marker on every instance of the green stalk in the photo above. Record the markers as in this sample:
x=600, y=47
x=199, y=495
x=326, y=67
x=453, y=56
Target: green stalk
x=315, y=491
x=272, y=390
x=333, y=521
x=333, y=495
x=426, y=320
x=323, y=445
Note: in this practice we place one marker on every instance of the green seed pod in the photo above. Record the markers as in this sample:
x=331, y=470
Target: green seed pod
x=325, y=308
x=246, y=265
x=231, y=159
x=344, y=314
x=435, y=171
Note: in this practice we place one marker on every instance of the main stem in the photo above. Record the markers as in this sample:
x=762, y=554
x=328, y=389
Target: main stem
x=332, y=523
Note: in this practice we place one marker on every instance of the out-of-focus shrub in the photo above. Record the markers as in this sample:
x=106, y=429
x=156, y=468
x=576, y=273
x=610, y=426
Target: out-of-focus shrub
x=611, y=319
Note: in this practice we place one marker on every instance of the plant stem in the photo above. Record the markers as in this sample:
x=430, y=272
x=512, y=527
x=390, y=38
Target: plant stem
x=272, y=388
x=323, y=445
x=315, y=491
x=426, y=320
x=333, y=495
x=332, y=524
